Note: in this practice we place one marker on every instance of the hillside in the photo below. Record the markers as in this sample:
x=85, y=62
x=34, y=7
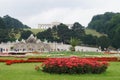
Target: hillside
x=87, y=31
x=93, y=32
x=10, y=28
x=35, y=31
x=10, y=22
x=107, y=23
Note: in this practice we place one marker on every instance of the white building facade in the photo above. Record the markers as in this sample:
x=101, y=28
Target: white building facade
x=32, y=44
x=46, y=26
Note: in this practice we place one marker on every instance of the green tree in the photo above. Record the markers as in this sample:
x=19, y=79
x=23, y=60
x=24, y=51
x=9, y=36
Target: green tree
x=89, y=40
x=116, y=39
x=99, y=22
x=9, y=27
x=73, y=42
x=63, y=33
x=113, y=25
x=13, y=23
x=55, y=34
x=45, y=35
x=25, y=34
x=109, y=24
x=78, y=30
x=104, y=42
x=4, y=35
x=2, y=24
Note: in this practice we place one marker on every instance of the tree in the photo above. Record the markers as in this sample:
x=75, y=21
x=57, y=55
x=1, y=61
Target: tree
x=63, y=33
x=109, y=24
x=99, y=22
x=78, y=29
x=47, y=34
x=73, y=42
x=55, y=34
x=104, y=42
x=13, y=23
x=25, y=34
x=89, y=40
x=4, y=35
x=2, y=24
x=9, y=27
x=116, y=39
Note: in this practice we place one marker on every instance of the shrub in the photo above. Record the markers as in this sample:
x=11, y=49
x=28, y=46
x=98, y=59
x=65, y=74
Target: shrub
x=73, y=65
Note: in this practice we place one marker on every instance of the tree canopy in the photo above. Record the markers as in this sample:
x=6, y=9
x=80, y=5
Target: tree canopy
x=109, y=24
x=13, y=23
x=25, y=34
x=9, y=27
x=61, y=33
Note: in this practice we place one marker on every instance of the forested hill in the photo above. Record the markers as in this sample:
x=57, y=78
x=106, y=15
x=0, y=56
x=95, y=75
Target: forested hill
x=9, y=22
x=108, y=23
x=9, y=28
x=105, y=23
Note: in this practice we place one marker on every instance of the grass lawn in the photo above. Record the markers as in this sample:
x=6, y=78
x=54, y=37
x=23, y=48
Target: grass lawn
x=62, y=54
x=69, y=54
x=35, y=31
x=26, y=72
x=93, y=32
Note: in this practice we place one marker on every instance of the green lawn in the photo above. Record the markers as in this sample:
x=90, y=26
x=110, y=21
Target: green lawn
x=26, y=72
x=63, y=54
x=35, y=31
x=79, y=54
x=93, y=32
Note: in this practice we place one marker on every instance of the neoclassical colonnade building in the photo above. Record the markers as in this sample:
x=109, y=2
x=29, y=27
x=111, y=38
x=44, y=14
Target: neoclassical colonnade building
x=46, y=26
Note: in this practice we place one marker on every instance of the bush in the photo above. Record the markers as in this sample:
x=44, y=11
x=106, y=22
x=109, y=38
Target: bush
x=73, y=65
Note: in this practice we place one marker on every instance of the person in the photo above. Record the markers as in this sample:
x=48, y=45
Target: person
x=1, y=50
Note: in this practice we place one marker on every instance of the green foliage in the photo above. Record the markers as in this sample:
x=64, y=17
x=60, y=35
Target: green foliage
x=9, y=28
x=2, y=24
x=104, y=42
x=89, y=40
x=4, y=35
x=61, y=33
x=13, y=23
x=74, y=42
x=78, y=30
x=108, y=23
x=25, y=34
x=47, y=34
x=116, y=39
x=99, y=22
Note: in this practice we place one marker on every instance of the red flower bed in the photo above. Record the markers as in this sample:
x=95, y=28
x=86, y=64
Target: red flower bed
x=103, y=58
x=3, y=60
x=9, y=62
x=29, y=60
x=73, y=65
x=38, y=58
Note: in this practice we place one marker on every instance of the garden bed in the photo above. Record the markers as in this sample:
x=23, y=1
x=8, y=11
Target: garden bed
x=74, y=65
x=30, y=60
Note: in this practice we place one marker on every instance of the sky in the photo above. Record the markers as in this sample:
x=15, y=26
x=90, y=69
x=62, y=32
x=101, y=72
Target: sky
x=34, y=12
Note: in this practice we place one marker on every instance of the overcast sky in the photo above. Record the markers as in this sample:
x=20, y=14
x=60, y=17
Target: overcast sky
x=34, y=12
